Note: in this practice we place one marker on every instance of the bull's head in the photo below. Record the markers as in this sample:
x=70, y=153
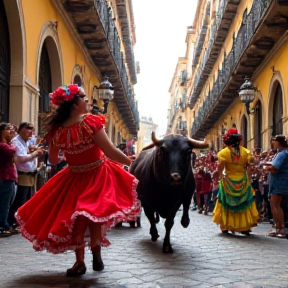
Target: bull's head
x=173, y=157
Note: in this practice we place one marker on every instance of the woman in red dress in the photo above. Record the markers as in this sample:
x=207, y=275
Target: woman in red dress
x=93, y=192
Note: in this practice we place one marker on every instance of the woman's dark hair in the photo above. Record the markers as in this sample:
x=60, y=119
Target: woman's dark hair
x=233, y=140
x=59, y=116
x=3, y=126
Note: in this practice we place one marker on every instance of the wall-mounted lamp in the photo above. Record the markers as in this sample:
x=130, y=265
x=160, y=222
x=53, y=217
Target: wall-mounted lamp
x=105, y=92
x=247, y=93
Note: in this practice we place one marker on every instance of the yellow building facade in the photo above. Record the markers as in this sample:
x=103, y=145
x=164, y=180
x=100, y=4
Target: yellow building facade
x=48, y=43
x=234, y=40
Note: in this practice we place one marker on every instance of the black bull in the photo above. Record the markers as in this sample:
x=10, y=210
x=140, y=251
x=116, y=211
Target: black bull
x=166, y=181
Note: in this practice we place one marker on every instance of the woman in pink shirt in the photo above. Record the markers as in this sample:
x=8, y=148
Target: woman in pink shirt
x=8, y=176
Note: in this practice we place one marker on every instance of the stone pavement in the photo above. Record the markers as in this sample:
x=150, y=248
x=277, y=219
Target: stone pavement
x=203, y=257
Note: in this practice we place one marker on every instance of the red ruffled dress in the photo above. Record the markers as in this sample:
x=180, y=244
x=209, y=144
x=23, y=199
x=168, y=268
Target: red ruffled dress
x=91, y=185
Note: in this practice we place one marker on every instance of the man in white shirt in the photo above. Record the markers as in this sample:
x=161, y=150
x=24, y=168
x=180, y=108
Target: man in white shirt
x=26, y=165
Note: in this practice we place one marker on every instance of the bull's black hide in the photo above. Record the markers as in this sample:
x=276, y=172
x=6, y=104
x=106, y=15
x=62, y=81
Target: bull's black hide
x=166, y=181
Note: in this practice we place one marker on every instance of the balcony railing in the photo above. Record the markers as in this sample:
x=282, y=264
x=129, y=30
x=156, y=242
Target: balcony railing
x=212, y=50
x=202, y=36
x=105, y=15
x=241, y=42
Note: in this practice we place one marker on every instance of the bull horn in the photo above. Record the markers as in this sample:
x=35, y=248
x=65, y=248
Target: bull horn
x=197, y=144
x=155, y=140
x=148, y=147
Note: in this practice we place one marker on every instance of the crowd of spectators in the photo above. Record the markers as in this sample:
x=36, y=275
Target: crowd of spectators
x=22, y=158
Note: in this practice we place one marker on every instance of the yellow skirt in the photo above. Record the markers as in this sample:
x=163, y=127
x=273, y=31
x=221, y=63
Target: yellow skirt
x=235, y=221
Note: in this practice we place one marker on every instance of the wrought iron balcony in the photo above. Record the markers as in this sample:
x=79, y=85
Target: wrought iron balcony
x=96, y=29
x=201, y=37
x=258, y=33
x=218, y=33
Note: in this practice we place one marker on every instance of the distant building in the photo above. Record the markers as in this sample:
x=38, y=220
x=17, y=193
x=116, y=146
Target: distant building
x=145, y=130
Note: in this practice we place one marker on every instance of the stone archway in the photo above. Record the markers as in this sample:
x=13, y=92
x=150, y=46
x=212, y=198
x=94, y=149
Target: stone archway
x=50, y=37
x=49, y=70
x=276, y=105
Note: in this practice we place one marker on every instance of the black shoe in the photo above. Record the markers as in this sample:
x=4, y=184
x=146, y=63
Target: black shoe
x=77, y=269
x=224, y=231
x=5, y=233
x=98, y=264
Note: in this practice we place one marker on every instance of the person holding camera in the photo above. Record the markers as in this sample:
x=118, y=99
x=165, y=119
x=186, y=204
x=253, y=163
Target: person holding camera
x=26, y=165
x=278, y=184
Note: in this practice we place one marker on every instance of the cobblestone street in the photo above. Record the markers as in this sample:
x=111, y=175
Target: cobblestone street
x=203, y=257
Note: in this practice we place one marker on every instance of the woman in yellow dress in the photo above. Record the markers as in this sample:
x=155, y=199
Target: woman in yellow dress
x=235, y=208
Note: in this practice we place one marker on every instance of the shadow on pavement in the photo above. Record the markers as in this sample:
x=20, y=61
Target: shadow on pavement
x=54, y=280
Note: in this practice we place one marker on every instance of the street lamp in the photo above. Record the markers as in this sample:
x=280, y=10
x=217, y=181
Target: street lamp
x=247, y=93
x=105, y=92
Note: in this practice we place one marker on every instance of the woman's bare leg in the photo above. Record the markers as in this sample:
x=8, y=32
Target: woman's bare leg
x=79, y=267
x=277, y=212
x=81, y=224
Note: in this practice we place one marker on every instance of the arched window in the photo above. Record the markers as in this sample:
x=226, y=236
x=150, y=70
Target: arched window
x=5, y=63
x=244, y=126
x=258, y=126
x=277, y=112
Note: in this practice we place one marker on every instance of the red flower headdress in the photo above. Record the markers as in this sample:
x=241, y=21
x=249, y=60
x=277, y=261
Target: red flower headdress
x=232, y=138
x=65, y=93
x=231, y=131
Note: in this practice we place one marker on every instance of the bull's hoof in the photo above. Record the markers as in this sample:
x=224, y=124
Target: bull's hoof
x=154, y=235
x=167, y=249
x=185, y=222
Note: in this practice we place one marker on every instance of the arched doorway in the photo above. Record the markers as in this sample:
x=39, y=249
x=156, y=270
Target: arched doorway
x=244, y=127
x=277, y=124
x=5, y=65
x=49, y=76
x=258, y=141
x=45, y=86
